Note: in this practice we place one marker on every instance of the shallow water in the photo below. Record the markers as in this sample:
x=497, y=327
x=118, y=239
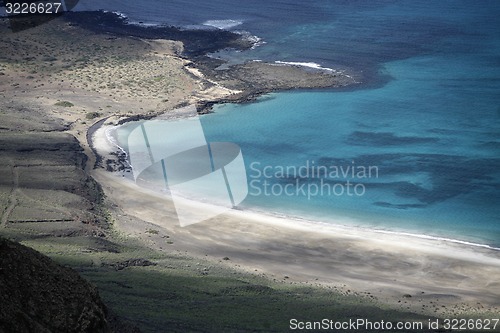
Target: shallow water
x=427, y=116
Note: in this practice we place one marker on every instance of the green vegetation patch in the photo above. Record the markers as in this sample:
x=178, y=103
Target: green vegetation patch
x=65, y=104
x=92, y=115
x=182, y=295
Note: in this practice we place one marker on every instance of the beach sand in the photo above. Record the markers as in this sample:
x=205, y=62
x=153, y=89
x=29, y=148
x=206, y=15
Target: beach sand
x=425, y=275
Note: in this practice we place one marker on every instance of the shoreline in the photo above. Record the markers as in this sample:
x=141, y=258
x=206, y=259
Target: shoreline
x=370, y=230
x=315, y=247
x=110, y=135
x=273, y=76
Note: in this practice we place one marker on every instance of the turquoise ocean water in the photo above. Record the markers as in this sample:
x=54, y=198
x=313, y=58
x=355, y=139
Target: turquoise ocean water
x=426, y=115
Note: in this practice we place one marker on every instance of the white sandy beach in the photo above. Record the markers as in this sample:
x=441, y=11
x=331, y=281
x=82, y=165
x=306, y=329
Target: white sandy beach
x=439, y=275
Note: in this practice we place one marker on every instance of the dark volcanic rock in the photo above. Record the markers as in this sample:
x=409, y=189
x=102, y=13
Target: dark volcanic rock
x=38, y=295
x=252, y=79
x=196, y=42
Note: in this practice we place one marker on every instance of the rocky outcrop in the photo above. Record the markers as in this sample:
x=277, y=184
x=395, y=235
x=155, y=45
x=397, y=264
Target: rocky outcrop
x=38, y=295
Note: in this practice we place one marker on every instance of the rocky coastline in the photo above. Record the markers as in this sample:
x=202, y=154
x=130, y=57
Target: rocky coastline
x=250, y=79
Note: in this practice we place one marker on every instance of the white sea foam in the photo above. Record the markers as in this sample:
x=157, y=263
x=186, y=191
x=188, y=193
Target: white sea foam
x=228, y=25
x=257, y=41
x=223, y=24
x=306, y=64
x=111, y=134
x=120, y=14
x=437, y=238
x=312, y=223
x=316, y=66
x=123, y=16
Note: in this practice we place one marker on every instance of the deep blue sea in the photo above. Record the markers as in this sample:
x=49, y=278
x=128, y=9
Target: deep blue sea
x=426, y=115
